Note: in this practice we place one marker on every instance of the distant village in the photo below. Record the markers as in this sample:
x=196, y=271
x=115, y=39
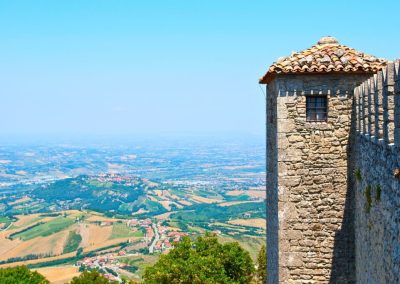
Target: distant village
x=157, y=239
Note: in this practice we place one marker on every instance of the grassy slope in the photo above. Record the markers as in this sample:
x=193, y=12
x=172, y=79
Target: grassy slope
x=141, y=262
x=73, y=242
x=249, y=243
x=121, y=230
x=4, y=219
x=56, y=225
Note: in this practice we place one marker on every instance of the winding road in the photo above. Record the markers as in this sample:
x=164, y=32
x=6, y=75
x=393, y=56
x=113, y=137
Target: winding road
x=156, y=238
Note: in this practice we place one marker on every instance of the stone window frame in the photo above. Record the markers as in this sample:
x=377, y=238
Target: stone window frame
x=317, y=109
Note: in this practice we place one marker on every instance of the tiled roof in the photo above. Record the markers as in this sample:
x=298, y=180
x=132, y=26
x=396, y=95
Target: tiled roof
x=326, y=56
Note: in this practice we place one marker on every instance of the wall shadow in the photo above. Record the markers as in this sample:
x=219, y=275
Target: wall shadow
x=343, y=261
x=272, y=189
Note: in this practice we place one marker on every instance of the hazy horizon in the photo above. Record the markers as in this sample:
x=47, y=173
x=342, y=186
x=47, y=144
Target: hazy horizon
x=140, y=139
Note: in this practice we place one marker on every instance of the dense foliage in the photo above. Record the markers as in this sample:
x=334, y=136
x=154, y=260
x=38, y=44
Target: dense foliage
x=73, y=241
x=21, y=275
x=204, y=213
x=83, y=191
x=261, y=272
x=91, y=277
x=204, y=260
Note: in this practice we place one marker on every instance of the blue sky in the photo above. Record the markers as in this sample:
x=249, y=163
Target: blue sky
x=87, y=68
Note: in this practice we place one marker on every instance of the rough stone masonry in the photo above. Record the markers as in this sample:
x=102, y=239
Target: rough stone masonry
x=322, y=226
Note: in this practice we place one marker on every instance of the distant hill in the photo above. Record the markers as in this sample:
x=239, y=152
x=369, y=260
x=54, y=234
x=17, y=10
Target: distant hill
x=98, y=193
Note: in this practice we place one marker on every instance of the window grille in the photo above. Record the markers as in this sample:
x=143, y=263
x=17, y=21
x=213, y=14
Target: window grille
x=317, y=108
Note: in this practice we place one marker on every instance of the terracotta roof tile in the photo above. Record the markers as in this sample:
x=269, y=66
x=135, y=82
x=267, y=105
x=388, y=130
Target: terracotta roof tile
x=326, y=56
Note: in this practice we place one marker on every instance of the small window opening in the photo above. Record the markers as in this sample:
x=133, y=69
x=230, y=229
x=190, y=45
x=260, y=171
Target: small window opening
x=317, y=108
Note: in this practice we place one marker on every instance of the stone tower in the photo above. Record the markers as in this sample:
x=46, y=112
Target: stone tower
x=310, y=128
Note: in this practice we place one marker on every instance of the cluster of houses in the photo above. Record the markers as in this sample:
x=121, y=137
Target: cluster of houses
x=167, y=239
x=108, y=264
x=157, y=236
x=161, y=237
x=115, y=178
x=145, y=224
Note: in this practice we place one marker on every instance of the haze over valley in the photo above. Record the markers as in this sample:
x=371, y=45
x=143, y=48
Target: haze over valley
x=117, y=207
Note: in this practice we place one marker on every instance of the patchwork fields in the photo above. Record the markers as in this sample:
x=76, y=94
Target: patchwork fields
x=40, y=237
x=134, y=221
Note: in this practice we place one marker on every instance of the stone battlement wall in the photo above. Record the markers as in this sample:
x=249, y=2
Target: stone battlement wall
x=376, y=158
x=333, y=199
x=310, y=227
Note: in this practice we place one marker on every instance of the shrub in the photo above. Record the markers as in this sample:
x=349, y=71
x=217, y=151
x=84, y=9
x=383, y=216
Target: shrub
x=368, y=198
x=73, y=241
x=261, y=272
x=357, y=174
x=204, y=260
x=378, y=192
x=91, y=277
x=21, y=275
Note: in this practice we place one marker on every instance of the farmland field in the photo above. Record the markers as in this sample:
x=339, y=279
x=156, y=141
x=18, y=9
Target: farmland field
x=45, y=229
x=93, y=235
x=230, y=203
x=252, y=193
x=120, y=230
x=26, y=220
x=40, y=246
x=50, y=237
x=258, y=222
x=59, y=274
x=141, y=262
x=4, y=219
x=72, y=242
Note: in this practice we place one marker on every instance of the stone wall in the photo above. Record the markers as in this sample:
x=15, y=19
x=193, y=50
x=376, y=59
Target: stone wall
x=310, y=203
x=376, y=155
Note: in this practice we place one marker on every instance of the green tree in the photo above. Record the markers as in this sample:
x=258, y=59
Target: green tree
x=91, y=277
x=261, y=272
x=21, y=275
x=203, y=261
